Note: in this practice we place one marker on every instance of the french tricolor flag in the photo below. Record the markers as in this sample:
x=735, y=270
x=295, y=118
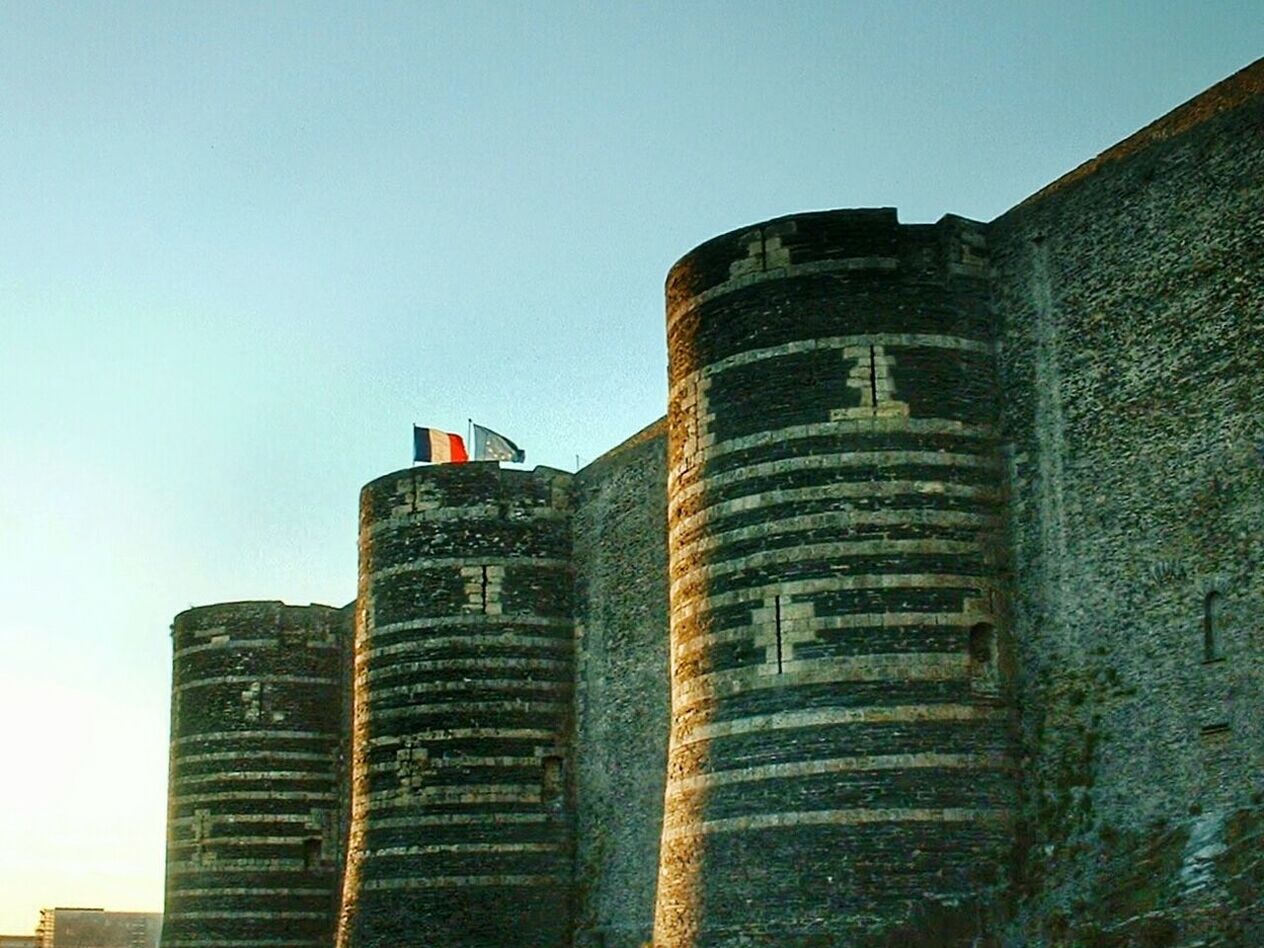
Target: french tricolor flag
x=438, y=447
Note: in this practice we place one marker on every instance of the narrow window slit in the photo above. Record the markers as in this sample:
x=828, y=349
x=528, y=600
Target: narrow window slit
x=484, y=591
x=777, y=618
x=1211, y=621
x=984, y=671
x=311, y=854
x=873, y=377
x=552, y=776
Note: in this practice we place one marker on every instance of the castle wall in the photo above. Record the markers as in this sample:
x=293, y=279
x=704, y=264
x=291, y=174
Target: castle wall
x=254, y=843
x=913, y=479
x=1132, y=303
x=622, y=697
x=462, y=815
x=839, y=747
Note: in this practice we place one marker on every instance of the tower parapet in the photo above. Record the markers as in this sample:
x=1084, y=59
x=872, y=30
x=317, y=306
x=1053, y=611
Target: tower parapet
x=254, y=827
x=462, y=820
x=839, y=747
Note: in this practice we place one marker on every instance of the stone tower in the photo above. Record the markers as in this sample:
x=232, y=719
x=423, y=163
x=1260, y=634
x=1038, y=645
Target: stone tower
x=839, y=754
x=462, y=826
x=254, y=825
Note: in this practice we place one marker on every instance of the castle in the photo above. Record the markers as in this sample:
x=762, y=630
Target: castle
x=931, y=613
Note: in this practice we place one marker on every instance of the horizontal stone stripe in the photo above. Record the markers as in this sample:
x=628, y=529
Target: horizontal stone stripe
x=835, y=461
x=262, y=678
x=458, y=793
x=263, y=914
x=460, y=762
x=423, y=646
x=461, y=882
x=367, y=816
x=835, y=520
x=247, y=891
x=493, y=624
x=297, y=866
x=893, y=667
x=687, y=646
x=489, y=511
x=250, y=644
x=430, y=562
x=991, y=816
x=208, y=941
x=233, y=819
x=562, y=689
x=907, y=339
x=818, y=717
x=237, y=841
x=378, y=837
x=253, y=776
x=376, y=821
x=837, y=490
x=833, y=765
x=967, y=570
x=395, y=851
x=786, y=271
x=440, y=735
x=805, y=553
x=193, y=758
x=393, y=659
x=255, y=736
x=755, y=594
x=314, y=796
x=417, y=710
x=840, y=427
x=474, y=663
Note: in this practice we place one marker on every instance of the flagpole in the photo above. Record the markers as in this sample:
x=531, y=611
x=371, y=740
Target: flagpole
x=469, y=434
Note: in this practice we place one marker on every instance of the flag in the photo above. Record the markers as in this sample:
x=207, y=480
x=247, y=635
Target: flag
x=438, y=447
x=490, y=446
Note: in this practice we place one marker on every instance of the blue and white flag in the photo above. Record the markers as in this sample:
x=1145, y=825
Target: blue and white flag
x=490, y=446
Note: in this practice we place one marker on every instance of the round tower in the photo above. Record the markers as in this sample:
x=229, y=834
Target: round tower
x=253, y=826
x=462, y=824
x=838, y=765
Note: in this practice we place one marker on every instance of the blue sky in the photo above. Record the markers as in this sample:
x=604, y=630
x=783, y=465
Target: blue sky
x=243, y=247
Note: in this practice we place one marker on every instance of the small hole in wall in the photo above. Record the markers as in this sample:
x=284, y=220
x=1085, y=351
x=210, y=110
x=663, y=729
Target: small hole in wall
x=551, y=777
x=982, y=643
x=311, y=853
x=985, y=680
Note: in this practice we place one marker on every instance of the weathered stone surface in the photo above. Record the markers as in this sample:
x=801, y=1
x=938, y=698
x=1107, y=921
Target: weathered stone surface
x=462, y=808
x=1131, y=300
x=622, y=700
x=916, y=482
x=255, y=823
x=839, y=746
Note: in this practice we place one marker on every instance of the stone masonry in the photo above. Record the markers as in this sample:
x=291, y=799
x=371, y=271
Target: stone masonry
x=932, y=613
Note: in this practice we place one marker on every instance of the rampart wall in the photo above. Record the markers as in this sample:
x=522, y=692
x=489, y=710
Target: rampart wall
x=942, y=577
x=1131, y=300
x=621, y=696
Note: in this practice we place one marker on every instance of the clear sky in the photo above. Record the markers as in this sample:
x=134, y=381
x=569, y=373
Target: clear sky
x=243, y=247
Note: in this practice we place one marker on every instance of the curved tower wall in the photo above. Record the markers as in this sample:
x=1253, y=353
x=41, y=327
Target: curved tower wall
x=838, y=759
x=462, y=823
x=253, y=828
